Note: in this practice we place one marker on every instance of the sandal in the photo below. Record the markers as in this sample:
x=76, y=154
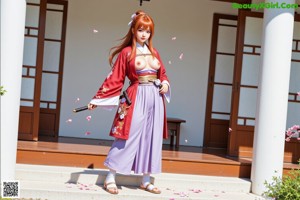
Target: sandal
x=111, y=187
x=154, y=190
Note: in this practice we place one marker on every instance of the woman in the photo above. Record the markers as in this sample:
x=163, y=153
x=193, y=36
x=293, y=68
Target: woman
x=140, y=127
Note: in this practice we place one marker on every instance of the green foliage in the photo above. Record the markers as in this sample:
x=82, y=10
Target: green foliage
x=4, y=198
x=287, y=188
x=2, y=91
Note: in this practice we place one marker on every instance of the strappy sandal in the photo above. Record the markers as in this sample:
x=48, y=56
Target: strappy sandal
x=111, y=187
x=154, y=190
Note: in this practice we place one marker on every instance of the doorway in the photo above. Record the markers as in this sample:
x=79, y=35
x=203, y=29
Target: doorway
x=45, y=30
x=233, y=84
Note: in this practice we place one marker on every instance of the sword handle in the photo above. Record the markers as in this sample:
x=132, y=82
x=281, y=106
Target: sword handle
x=76, y=110
x=128, y=101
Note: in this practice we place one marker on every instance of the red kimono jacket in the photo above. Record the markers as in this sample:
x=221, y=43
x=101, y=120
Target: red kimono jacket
x=110, y=90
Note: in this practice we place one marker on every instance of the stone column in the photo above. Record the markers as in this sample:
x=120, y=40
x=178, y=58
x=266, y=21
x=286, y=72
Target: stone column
x=12, y=42
x=273, y=89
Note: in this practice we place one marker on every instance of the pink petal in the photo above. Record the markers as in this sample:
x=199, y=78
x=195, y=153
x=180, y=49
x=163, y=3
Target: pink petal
x=170, y=62
x=95, y=31
x=173, y=38
x=69, y=121
x=181, y=194
x=181, y=56
x=197, y=191
x=289, y=133
x=298, y=93
x=77, y=100
x=87, y=133
x=287, y=139
x=230, y=129
x=89, y=118
x=295, y=127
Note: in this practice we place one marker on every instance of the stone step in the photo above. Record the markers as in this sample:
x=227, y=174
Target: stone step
x=69, y=183
x=60, y=191
x=97, y=176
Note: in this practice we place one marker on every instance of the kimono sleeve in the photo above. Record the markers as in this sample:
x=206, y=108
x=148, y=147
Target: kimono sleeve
x=109, y=92
x=164, y=78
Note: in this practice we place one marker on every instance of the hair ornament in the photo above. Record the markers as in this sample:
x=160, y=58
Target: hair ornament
x=132, y=18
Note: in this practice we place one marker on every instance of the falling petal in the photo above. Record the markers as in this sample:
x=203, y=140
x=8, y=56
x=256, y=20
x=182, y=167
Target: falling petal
x=95, y=31
x=181, y=56
x=196, y=190
x=69, y=121
x=77, y=100
x=170, y=62
x=216, y=195
x=230, y=129
x=186, y=141
x=87, y=133
x=89, y=118
x=173, y=38
x=298, y=93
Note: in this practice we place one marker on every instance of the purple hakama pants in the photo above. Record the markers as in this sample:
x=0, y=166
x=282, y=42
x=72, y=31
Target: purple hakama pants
x=142, y=151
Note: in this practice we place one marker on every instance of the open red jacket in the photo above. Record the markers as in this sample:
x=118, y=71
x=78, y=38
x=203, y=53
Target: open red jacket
x=108, y=94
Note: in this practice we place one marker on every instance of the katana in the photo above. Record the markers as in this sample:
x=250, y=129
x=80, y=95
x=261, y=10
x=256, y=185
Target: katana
x=128, y=101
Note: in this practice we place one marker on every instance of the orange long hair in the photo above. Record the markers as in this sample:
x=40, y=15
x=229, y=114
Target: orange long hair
x=141, y=20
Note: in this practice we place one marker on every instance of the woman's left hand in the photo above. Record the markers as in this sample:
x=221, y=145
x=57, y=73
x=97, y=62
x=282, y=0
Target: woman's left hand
x=164, y=88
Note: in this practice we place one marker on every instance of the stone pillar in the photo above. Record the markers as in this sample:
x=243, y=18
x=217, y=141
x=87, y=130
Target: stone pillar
x=12, y=42
x=273, y=89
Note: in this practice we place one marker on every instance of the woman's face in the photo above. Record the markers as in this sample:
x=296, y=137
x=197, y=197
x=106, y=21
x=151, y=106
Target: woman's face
x=142, y=35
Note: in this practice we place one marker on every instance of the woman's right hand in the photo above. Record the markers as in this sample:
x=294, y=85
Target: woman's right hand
x=91, y=106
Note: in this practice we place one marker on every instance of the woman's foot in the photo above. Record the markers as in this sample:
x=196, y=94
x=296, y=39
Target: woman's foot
x=150, y=188
x=111, y=187
x=110, y=183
